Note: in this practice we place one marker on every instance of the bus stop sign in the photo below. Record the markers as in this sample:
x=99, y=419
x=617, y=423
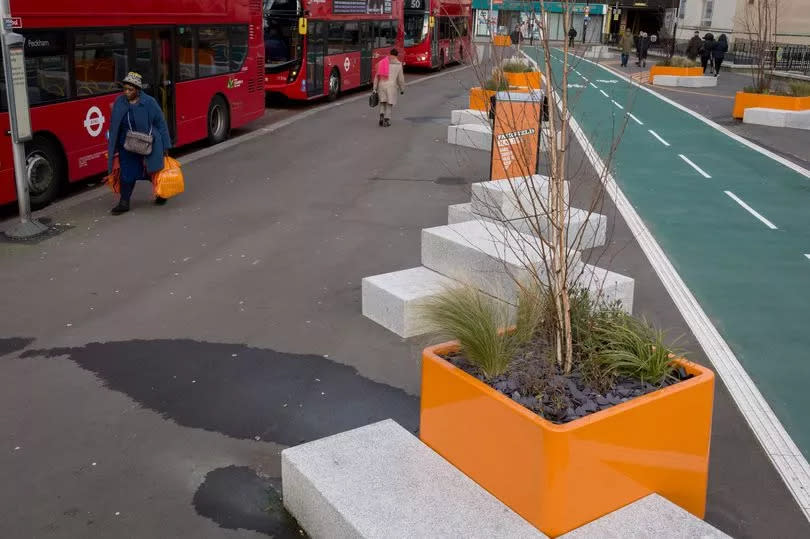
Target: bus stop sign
x=10, y=23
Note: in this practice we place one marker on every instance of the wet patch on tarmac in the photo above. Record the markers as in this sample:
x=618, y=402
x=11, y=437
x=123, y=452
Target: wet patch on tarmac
x=236, y=497
x=9, y=345
x=243, y=392
x=453, y=180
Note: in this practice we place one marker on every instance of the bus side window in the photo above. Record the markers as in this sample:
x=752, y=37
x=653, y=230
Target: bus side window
x=46, y=65
x=335, y=38
x=187, y=57
x=239, y=44
x=351, y=37
x=212, y=51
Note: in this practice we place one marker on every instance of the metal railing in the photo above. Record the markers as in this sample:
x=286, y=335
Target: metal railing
x=779, y=57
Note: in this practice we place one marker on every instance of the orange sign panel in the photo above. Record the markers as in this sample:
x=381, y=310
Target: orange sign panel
x=516, y=137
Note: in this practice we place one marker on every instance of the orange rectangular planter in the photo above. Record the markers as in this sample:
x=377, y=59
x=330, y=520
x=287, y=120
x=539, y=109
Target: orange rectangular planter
x=744, y=100
x=529, y=79
x=560, y=477
x=678, y=71
x=502, y=41
x=479, y=98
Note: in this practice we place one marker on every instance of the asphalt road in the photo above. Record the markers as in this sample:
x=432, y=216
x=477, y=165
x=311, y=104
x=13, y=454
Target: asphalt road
x=154, y=365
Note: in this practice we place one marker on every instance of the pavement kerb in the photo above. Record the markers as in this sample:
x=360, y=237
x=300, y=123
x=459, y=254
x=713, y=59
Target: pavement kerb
x=775, y=440
x=230, y=143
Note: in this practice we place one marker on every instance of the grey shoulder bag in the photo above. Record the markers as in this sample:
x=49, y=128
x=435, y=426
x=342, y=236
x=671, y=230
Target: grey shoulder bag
x=137, y=142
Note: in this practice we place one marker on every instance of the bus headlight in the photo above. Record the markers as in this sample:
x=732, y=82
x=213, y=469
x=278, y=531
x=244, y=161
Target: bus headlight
x=293, y=74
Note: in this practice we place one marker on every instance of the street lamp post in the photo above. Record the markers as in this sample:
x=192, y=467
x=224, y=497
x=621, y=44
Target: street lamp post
x=13, y=46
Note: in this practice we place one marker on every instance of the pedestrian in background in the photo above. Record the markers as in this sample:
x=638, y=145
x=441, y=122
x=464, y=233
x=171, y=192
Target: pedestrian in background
x=706, y=49
x=626, y=43
x=693, y=49
x=138, y=113
x=387, y=86
x=719, y=53
x=642, y=47
x=571, y=35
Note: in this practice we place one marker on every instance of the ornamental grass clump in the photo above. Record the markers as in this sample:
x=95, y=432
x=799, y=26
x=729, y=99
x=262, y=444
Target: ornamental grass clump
x=479, y=323
x=677, y=61
x=515, y=65
x=799, y=89
x=626, y=346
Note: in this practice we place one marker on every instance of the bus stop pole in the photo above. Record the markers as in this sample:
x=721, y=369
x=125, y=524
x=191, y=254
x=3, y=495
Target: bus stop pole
x=17, y=99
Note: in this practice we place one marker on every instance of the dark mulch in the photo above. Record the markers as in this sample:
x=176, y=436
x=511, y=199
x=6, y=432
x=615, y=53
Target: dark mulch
x=535, y=382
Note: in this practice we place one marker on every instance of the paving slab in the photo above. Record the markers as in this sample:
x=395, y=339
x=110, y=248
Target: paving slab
x=394, y=300
x=380, y=481
x=650, y=517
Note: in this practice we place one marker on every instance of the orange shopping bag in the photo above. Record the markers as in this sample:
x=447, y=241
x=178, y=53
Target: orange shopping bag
x=169, y=181
x=114, y=177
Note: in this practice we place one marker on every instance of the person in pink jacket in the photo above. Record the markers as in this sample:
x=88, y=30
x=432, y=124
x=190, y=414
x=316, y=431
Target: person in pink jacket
x=386, y=85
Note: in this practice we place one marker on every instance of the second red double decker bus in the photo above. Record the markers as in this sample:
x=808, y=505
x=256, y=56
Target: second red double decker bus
x=437, y=32
x=316, y=48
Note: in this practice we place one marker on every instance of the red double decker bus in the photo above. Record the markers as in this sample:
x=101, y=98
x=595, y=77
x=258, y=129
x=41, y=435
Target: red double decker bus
x=437, y=32
x=203, y=62
x=316, y=48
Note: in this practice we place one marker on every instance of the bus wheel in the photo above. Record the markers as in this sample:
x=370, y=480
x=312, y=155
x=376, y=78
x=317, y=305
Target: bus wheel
x=219, y=122
x=334, y=85
x=45, y=171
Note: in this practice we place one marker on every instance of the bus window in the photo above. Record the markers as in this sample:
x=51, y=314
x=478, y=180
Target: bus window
x=416, y=28
x=239, y=45
x=351, y=37
x=46, y=65
x=100, y=62
x=212, y=51
x=186, y=65
x=335, y=38
x=282, y=42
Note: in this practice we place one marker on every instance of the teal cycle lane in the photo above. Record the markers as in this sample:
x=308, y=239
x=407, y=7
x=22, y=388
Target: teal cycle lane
x=734, y=223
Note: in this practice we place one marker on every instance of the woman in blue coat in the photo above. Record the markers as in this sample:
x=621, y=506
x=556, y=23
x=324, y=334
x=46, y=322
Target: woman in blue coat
x=136, y=111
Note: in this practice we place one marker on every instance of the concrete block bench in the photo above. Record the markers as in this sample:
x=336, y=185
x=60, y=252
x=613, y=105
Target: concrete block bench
x=395, y=300
x=652, y=516
x=687, y=82
x=586, y=231
x=477, y=136
x=796, y=119
x=380, y=481
x=469, y=116
x=486, y=255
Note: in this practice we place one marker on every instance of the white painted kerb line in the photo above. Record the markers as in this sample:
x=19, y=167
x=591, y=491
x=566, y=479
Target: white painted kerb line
x=603, y=92
x=662, y=141
x=751, y=210
x=614, y=102
x=639, y=122
x=694, y=166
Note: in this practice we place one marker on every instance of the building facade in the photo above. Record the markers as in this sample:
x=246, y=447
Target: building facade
x=729, y=17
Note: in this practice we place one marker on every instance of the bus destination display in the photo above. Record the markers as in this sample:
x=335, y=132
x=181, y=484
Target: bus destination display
x=361, y=6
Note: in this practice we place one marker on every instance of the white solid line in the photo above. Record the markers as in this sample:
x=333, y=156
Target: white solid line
x=614, y=102
x=592, y=84
x=775, y=440
x=694, y=166
x=662, y=141
x=788, y=163
x=603, y=93
x=751, y=210
x=639, y=122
